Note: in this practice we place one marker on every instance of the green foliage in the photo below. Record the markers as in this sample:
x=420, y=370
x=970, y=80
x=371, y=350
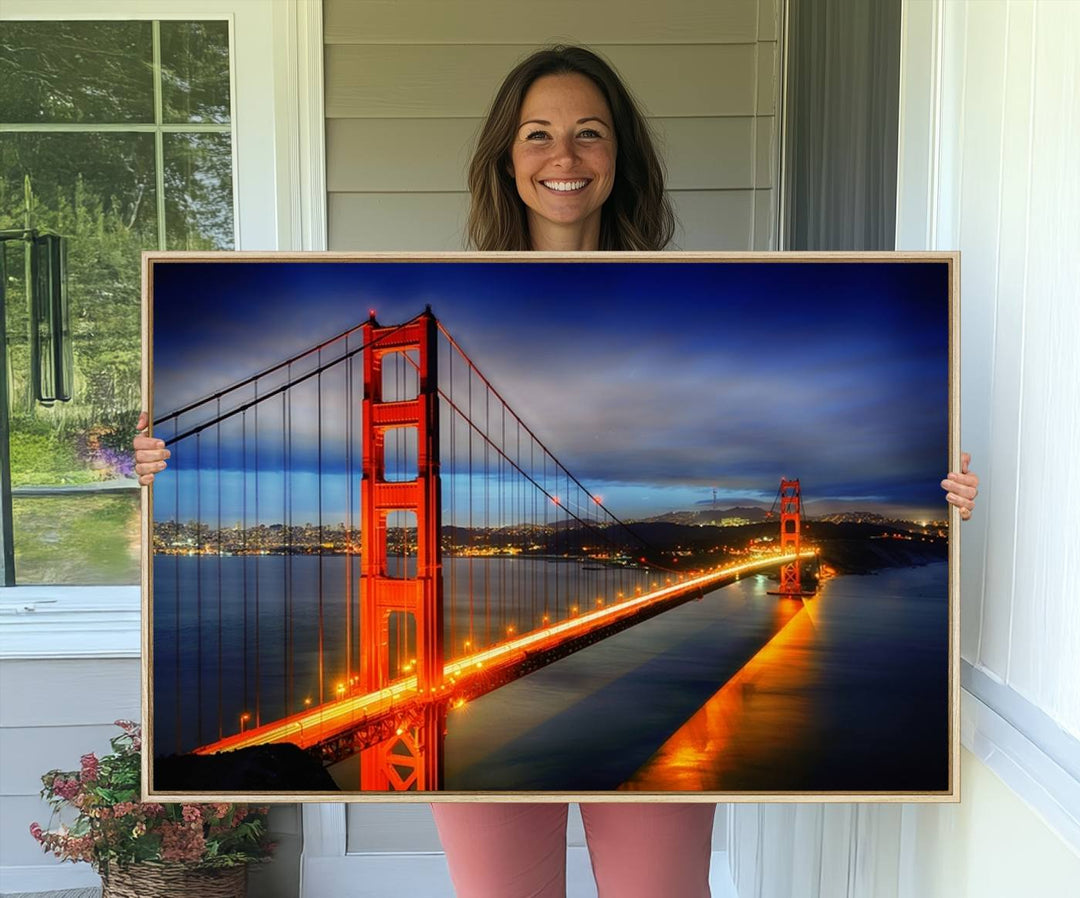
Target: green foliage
x=77, y=539
x=76, y=71
x=41, y=458
x=114, y=828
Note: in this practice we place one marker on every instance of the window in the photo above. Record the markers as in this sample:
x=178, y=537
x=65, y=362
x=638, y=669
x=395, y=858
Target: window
x=118, y=136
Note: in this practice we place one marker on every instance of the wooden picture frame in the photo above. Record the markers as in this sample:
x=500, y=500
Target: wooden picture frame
x=310, y=398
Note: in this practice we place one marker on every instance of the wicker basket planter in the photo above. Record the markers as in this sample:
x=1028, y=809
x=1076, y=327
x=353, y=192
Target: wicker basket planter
x=174, y=881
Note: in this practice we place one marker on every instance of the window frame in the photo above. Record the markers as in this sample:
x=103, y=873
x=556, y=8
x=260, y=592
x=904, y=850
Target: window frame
x=276, y=94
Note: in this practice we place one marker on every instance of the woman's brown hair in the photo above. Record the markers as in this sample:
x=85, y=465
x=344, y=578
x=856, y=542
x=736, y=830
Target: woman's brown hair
x=637, y=214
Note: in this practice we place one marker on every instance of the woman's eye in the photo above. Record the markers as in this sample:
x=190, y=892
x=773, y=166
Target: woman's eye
x=536, y=135
x=589, y=132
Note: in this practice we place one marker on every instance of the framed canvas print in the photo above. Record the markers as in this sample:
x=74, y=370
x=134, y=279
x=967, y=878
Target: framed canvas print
x=550, y=527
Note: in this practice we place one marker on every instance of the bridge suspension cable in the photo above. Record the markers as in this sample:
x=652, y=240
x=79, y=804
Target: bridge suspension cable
x=257, y=585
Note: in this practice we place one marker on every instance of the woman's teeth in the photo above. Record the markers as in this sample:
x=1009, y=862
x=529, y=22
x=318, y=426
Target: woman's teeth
x=564, y=186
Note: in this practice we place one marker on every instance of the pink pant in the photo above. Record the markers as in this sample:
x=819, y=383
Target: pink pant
x=638, y=850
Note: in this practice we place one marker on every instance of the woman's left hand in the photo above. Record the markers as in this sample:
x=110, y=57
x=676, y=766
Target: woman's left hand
x=962, y=487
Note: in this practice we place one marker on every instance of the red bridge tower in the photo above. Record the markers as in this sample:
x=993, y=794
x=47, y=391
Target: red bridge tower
x=790, y=525
x=790, y=538
x=412, y=756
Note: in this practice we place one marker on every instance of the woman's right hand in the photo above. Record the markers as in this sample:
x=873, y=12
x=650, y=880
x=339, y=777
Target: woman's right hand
x=150, y=453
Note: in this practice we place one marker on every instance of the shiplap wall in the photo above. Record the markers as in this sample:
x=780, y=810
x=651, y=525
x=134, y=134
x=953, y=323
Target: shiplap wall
x=52, y=712
x=408, y=83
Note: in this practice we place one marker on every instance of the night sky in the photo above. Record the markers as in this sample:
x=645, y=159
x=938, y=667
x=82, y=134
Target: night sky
x=654, y=383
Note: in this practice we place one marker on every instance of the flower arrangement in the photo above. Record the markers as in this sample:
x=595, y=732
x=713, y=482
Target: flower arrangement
x=112, y=827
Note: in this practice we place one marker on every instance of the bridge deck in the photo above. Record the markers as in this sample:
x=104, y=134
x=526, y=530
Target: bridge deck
x=482, y=671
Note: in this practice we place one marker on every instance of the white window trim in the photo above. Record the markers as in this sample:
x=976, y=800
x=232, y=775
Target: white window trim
x=44, y=621
x=277, y=91
x=1032, y=755
x=280, y=197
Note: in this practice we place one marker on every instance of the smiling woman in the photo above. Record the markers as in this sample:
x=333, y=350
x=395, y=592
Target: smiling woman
x=561, y=117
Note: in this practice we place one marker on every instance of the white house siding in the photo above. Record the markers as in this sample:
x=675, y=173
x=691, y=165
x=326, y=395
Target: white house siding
x=408, y=83
x=52, y=712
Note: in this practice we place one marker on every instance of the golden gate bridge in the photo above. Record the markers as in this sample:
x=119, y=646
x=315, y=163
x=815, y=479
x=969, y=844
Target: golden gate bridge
x=451, y=479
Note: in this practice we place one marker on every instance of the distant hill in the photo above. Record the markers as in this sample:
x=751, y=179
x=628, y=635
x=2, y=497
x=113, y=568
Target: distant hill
x=719, y=517
x=739, y=515
x=855, y=517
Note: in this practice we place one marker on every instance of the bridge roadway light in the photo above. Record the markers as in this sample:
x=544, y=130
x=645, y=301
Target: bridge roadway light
x=244, y=718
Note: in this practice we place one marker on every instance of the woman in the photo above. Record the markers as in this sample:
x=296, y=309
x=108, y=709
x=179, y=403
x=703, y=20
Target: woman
x=565, y=163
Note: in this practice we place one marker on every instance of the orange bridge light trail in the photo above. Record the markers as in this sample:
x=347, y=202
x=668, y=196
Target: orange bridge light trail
x=473, y=675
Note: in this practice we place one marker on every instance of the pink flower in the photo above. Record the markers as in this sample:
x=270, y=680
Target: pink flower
x=36, y=831
x=65, y=788
x=123, y=808
x=89, y=767
x=192, y=814
x=153, y=809
x=181, y=842
x=79, y=848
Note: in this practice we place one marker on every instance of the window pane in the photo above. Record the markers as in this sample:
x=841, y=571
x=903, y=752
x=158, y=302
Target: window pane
x=98, y=191
x=195, y=71
x=76, y=506
x=198, y=192
x=76, y=72
x=81, y=540
x=107, y=175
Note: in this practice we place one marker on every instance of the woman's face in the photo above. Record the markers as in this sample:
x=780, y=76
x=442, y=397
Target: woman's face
x=563, y=160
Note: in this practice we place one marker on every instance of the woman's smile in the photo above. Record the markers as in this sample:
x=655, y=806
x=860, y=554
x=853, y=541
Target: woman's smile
x=566, y=186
